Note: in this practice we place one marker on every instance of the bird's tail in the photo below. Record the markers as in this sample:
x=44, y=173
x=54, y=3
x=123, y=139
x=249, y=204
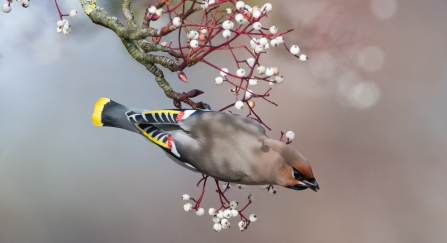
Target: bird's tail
x=112, y=114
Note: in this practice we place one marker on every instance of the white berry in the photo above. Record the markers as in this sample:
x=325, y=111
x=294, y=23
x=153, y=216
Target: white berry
x=254, y=42
x=212, y=211
x=240, y=186
x=218, y=80
x=192, y=34
x=243, y=225
x=290, y=135
x=204, y=5
x=294, y=50
x=200, y=212
x=66, y=25
x=257, y=25
x=239, y=105
x=272, y=191
x=152, y=9
x=224, y=72
x=263, y=41
x=226, y=33
x=233, y=204
x=253, y=218
x=252, y=81
x=263, y=187
x=185, y=197
x=25, y=3
x=234, y=212
x=227, y=213
x=239, y=18
x=216, y=219
x=240, y=72
x=6, y=8
x=303, y=58
x=274, y=43
x=279, y=79
x=225, y=222
x=259, y=49
x=187, y=207
x=194, y=43
x=267, y=7
x=240, y=5
x=73, y=13
x=159, y=12
x=270, y=71
x=248, y=94
x=217, y=227
x=256, y=14
x=273, y=29
x=279, y=39
x=177, y=21
x=260, y=70
x=251, y=61
x=66, y=31
x=220, y=214
x=227, y=24
x=250, y=196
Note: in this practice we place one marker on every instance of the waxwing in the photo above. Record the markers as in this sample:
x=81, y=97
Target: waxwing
x=227, y=147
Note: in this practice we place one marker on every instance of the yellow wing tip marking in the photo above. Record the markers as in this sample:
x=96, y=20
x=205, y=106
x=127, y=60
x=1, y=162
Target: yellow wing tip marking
x=161, y=111
x=99, y=106
x=156, y=141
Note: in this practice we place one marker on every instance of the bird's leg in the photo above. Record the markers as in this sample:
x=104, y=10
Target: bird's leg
x=204, y=178
x=185, y=98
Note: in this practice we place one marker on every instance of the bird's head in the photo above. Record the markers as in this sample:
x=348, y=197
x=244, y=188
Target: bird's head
x=296, y=173
x=303, y=182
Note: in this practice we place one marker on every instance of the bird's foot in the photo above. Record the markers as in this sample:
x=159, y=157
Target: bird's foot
x=185, y=97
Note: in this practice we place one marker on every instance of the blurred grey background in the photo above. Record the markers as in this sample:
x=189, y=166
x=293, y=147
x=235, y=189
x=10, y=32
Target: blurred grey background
x=368, y=110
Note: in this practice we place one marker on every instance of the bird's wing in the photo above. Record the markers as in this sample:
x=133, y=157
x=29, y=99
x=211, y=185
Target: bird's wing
x=163, y=117
x=173, y=146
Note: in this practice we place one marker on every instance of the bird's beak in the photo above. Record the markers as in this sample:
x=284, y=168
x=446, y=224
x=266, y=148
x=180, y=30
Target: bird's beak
x=311, y=183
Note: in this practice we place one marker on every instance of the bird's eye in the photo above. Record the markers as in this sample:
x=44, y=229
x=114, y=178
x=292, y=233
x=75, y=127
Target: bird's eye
x=297, y=175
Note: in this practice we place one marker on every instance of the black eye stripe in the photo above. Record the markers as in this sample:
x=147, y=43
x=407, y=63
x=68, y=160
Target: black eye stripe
x=298, y=175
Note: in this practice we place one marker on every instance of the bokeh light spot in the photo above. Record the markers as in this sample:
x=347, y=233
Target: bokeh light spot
x=384, y=9
x=371, y=58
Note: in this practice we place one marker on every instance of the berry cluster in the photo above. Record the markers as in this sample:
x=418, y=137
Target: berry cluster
x=7, y=6
x=216, y=30
x=63, y=26
x=228, y=209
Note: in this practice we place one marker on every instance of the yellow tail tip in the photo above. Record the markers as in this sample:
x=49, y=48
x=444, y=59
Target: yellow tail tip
x=99, y=106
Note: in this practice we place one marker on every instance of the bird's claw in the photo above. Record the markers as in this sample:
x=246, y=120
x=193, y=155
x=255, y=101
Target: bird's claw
x=185, y=98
